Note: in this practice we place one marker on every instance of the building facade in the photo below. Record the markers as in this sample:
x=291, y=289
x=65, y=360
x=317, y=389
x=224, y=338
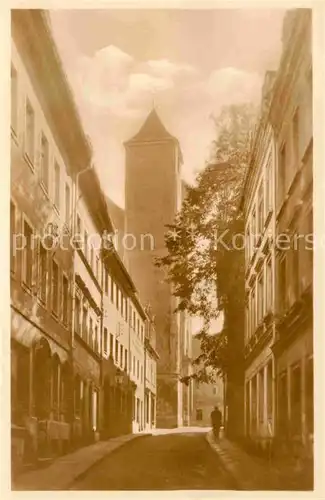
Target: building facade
x=78, y=348
x=279, y=258
x=292, y=119
x=153, y=194
x=259, y=279
x=44, y=155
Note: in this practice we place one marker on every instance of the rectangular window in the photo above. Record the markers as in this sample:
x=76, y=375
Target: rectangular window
x=78, y=230
x=254, y=231
x=42, y=270
x=96, y=340
x=138, y=327
x=14, y=100
x=122, y=304
x=261, y=396
x=65, y=300
x=85, y=323
x=133, y=365
x=295, y=139
x=134, y=319
x=138, y=369
x=282, y=173
x=86, y=244
x=253, y=311
x=116, y=351
x=247, y=244
x=111, y=344
x=45, y=161
x=117, y=296
x=57, y=185
x=55, y=288
x=141, y=371
x=260, y=209
x=105, y=341
x=269, y=284
x=12, y=236
x=126, y=309
x=112, y=290
x=142, y=336
x=90, y=338
x=30, y=132
x=126, y=359
x=260, y=298
x=67, y=205
x=28, y=255
x=77, y=315
x=121, y=356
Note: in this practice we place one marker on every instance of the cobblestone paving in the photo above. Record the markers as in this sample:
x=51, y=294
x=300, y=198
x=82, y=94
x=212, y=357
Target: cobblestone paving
x=163, y=462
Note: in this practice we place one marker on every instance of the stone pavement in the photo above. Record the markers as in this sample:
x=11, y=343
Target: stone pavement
x=254, y=473
x=66, y=469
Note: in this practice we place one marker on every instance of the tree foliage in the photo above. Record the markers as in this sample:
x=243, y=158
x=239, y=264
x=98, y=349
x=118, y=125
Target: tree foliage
x=204, y=262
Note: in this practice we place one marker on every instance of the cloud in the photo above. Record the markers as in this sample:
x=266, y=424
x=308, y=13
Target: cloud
x=164, y=67
x=231, y=85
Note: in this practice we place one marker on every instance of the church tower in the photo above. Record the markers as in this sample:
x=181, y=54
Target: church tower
x=152, y=198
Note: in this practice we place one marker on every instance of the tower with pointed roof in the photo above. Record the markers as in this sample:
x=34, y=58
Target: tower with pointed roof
x=153, y=194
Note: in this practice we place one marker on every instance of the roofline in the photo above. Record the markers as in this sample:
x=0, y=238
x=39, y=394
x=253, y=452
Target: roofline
x=33, y=25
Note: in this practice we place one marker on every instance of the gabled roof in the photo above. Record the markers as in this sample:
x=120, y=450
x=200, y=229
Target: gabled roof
x=152, y=130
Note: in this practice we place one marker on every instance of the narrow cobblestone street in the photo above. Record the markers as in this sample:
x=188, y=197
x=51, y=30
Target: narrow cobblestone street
x=175, y=461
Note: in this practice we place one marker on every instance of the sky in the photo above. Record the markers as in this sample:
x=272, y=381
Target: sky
x=186, y=63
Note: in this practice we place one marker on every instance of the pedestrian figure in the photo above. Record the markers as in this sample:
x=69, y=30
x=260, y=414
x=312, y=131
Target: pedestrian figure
x=216, y=418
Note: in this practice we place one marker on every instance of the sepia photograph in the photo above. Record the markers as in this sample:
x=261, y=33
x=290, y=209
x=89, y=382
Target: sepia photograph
x=161, y=249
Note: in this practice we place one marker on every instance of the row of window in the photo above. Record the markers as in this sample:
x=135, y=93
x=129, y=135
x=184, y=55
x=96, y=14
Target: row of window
x=297, y=137
x=85, y=325
x=256, y=411
x=290, y=415
x=37, y=152
x=112, y=289
x=119, y=353
x=40, y=271
x=260, y=210
x=259, y=299
x=293, y=270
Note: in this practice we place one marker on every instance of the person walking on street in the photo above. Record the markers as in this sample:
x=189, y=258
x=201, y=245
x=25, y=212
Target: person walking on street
x=216, y=418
